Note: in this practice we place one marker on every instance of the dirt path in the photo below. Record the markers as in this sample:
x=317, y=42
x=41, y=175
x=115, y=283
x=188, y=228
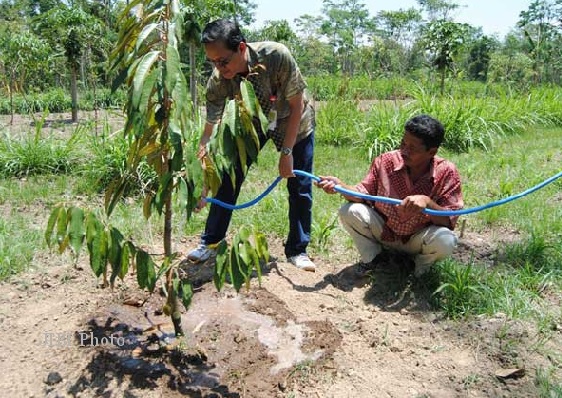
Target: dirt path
x=324, y=334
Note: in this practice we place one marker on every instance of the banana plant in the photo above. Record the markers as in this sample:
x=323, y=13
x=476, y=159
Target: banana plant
x=159, y=131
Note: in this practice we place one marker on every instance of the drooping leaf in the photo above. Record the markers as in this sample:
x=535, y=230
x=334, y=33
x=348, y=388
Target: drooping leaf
x=237, y=265
x=242, y=153
x=221, y=265
x=53, y=217
x=146, y=31
x=244, y=233
x=147, y=205
x=76, y=230
x=262, y=247
x=114, y=255
x=96, y=241
x=62, y=224
x=166, y=265
x=141, y=72
x=163, y=191
x=186, y=293
x=114, y=193
x=146, y=273
x=249, y=98
x=144, y=99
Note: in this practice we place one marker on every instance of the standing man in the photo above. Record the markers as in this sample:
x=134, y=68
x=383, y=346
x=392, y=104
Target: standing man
x=421, y=180
x=280, y=89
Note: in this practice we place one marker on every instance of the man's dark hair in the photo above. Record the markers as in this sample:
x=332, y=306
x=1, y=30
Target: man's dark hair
x=426, y=128
x=225, y=31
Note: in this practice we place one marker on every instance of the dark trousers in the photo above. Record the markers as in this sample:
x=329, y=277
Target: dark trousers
x=300, y=201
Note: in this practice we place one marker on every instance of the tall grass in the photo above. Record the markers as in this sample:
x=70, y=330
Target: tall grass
x=57, y=100
x=470, y=122
x=36, y=154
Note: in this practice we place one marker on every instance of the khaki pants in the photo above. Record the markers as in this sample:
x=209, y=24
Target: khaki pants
x=365, y=225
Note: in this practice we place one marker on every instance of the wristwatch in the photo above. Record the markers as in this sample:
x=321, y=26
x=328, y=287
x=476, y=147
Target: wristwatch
x=286, y=151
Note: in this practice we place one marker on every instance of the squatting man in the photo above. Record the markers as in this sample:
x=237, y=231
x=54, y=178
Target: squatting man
x=420, y=179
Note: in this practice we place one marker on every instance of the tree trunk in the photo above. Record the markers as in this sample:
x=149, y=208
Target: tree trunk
x=74, y=93
x=172, y=301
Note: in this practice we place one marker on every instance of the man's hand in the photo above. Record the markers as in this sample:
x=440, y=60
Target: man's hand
x=328, y=184
x=202, y=202
x=202, y=152
x=286, y=166
x=413, y=204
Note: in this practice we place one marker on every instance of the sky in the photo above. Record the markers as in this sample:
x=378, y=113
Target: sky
x=494, y=16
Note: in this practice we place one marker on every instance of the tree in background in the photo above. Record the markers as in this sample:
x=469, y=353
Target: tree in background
x=22, y=54
x=398, y=30
x=541, y=27
x=71, y=31
x=479, y=56
x=443, y=39
x=345, y=25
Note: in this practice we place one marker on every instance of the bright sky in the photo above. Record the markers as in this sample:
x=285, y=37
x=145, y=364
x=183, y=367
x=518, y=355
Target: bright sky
x=494, y=16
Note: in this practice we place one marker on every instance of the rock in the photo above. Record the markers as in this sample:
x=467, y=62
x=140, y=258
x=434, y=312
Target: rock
x=53, y=378
x=513, y=373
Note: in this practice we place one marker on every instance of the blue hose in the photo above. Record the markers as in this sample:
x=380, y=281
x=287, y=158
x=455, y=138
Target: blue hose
x=384, y=199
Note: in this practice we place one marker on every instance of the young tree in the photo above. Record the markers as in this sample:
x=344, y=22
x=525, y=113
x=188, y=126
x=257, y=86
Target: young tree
x=443, y=39
x=159, y=131
x=70, y=30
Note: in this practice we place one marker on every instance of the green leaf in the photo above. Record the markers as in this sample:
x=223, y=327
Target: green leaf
x=114, y=193
x=146, y=31
x=244, y=233
x=127, y=255
x=230, y=117
x=173, y=68
x=77, y=230
x=242, y=153
x=249, y=99
x=141, y=72
x=186, y=293
x=163, y=191
x=166, y=265
x=221, y=265
x=53, y=217
x=96, y=241
x=62, y=224
x=114, y=256
x=261, y=246
x=237, y=266
x=146, y=274
x=143, y=99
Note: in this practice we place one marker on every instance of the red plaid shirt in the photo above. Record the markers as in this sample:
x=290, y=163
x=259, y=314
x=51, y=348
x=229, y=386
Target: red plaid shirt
x=388, y=176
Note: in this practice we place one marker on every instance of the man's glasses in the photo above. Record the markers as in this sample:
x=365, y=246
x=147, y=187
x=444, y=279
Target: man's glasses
x=221, y=63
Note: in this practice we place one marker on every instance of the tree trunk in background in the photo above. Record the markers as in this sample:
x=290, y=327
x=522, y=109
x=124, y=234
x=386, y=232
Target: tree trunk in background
x=74, y=93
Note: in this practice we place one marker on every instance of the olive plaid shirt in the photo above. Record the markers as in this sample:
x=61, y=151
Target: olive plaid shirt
x=388, y=176
x=274, y=85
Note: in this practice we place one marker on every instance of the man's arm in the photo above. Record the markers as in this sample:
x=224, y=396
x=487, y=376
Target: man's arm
x=296, y=107
x=328, y=184
x=205, y=137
